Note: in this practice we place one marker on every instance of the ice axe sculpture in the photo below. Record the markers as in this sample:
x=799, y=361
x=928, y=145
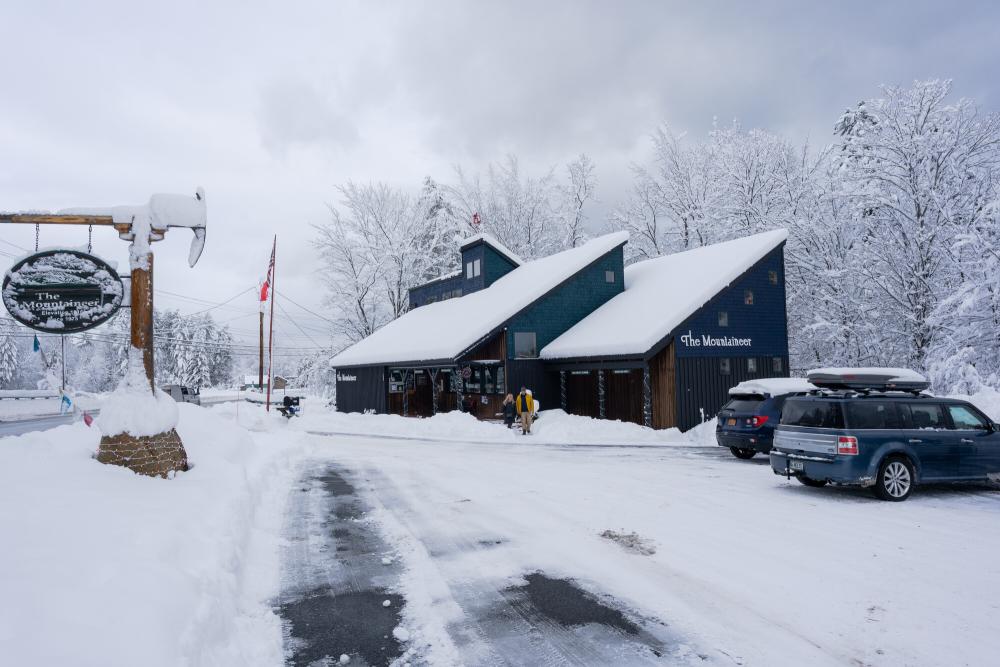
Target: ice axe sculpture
x=141, y=225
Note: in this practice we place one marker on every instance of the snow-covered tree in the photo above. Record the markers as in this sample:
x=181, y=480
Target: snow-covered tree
x=8, y=352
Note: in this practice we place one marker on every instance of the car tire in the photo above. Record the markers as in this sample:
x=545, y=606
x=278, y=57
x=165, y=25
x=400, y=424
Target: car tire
x=895, y=480
x=814, y=483
x=741, y=453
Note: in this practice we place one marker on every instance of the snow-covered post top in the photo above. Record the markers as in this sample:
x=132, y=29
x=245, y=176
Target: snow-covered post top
x=148, y=223
x=132, y=409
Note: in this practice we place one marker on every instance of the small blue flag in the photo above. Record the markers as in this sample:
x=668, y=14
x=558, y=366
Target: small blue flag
x=66, y=404
x=37, y=346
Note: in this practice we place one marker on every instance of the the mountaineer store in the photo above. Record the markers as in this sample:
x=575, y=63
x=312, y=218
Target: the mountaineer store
x=658, y=342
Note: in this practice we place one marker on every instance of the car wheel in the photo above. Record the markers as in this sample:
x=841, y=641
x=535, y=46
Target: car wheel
x=741, y=453
x=895, y=479
x=815, y=483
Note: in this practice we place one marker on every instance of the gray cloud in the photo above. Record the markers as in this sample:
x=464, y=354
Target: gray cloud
x=269, y=105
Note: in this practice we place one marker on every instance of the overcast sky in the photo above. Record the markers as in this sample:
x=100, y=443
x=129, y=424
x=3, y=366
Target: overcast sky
x=269, y=105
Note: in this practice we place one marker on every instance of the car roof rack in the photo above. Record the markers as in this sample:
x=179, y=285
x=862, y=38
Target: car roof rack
x=869, y=380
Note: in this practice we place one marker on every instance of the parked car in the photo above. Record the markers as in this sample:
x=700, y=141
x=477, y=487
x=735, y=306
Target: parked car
x=746, y=423
x=182, y=394
x=877, y=428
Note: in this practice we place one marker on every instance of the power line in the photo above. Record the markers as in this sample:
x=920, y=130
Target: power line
x=290, y=300
x=283, y=312
x=220, y=305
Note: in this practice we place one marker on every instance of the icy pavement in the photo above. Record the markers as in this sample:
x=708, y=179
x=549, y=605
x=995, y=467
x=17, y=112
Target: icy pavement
x=528, y=553
x=339, y=576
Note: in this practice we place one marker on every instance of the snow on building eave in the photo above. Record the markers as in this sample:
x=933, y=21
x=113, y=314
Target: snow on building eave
x=447, y=329
x=631, y=328
x=492, y=242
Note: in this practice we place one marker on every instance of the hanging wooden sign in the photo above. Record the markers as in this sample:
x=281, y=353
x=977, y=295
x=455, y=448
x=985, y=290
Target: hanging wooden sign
x=62, y=291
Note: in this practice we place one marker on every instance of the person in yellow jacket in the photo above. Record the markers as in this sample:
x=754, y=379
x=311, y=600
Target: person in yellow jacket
x=525, y=405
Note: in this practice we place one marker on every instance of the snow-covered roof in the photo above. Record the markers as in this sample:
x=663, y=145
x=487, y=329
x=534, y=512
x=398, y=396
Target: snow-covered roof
x=659, y=295
x=772, y=386
x=493, y=243
x=445, y=329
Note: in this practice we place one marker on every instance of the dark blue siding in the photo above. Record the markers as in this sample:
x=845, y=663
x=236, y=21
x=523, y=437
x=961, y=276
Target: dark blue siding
x=763, y=323
x=495, y=266
x=435, y=291
x=552, y=315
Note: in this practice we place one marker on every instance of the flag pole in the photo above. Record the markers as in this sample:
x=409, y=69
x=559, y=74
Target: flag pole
x=270, y=333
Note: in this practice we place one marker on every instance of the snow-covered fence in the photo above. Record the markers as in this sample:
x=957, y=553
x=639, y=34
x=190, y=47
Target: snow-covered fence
x=27, y=394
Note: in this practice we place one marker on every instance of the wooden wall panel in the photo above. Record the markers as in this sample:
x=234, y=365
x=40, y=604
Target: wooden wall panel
x=663, y=381
x=623, y=395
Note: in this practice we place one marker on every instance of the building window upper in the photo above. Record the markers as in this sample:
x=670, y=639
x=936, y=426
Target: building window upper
x=473, y=269
x=723, y=318
x=724, y=366
x=609, y=276
x=748, y=297
x=751, y=365
x=525, y=346
x=772, y=277
x=777, y=364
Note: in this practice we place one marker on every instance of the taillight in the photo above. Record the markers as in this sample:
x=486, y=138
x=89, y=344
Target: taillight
x=847, y=444
x=758, y=420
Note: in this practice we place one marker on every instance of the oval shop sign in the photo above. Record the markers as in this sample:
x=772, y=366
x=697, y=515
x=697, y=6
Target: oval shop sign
x=62, y=291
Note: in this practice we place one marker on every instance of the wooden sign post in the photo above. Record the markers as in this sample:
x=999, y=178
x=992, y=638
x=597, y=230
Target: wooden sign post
x=141, y=225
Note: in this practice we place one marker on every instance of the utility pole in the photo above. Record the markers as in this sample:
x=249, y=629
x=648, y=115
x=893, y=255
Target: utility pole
x=260, y=365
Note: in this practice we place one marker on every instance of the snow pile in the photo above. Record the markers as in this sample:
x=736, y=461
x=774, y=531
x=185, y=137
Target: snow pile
x=445, y=329
x=678, y=284
x=132, y=408
x=986, y=399
x=772, y=387
x=551, y=427
x=105, y=567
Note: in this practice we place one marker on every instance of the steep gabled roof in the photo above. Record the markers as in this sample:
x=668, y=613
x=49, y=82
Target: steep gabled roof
x=446, y=329
x=659, y=295
x=493, y=243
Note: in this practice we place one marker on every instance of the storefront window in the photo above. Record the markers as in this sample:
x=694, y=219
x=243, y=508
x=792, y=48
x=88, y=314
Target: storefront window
x=776, y=364
x=396, y=382
x=501, y=380
x=724, y=366
x=751, y=365
x=474, y=384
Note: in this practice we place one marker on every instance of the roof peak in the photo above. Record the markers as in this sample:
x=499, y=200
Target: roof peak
x=492, y=242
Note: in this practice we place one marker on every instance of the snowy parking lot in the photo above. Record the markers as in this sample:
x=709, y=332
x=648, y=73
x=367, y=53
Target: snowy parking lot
x=726, y=563
x=448, y=541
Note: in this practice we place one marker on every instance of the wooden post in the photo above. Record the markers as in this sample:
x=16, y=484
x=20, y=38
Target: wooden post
x=142, y=315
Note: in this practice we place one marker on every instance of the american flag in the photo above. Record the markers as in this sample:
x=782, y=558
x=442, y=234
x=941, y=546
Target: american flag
x=270, y=275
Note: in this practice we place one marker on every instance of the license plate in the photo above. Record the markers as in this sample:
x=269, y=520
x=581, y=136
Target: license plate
x=730, y=422
x=797, y=466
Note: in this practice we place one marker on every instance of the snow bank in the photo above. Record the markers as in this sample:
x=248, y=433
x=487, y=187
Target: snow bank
x=101, y=566
x=551, y=427
x=132, y=408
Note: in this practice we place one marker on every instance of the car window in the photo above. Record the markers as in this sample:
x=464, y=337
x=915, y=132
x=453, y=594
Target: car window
x=966, y=419
x=743, y=404
x=817, y=414
x=924, y=416
x=872, y=414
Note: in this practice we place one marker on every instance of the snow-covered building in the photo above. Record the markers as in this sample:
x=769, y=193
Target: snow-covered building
x=659, y=342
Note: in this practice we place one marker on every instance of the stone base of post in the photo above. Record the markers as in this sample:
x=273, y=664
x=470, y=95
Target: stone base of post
x=152, y=455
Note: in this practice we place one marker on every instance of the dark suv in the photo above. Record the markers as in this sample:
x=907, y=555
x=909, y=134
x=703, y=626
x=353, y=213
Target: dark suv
x=746, y=423
x=889, y=441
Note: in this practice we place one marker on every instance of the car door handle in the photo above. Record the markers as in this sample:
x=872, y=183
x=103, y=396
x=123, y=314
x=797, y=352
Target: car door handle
x=914, y=441
x=968, y=441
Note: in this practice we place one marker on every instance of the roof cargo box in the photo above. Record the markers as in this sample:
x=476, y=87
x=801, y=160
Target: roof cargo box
x=868, y=379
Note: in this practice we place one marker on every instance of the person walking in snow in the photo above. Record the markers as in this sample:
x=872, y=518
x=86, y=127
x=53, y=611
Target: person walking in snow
x=508, y=410
x=525, y=405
